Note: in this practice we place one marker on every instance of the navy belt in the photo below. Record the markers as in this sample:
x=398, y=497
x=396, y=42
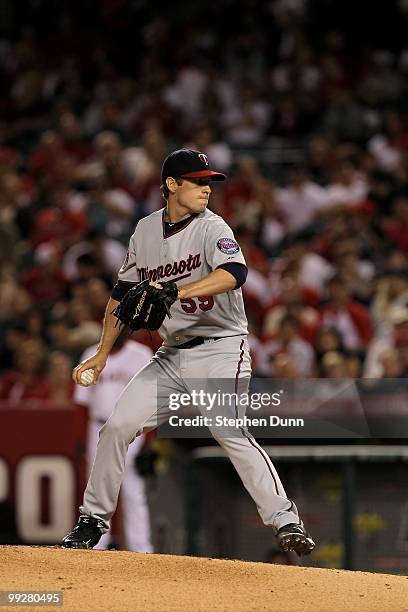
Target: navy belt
x=194, y=342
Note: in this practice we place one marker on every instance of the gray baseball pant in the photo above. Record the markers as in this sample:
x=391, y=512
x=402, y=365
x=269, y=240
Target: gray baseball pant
x=143, y=404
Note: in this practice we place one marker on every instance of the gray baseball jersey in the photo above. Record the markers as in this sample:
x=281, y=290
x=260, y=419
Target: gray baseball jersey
x=184, y=256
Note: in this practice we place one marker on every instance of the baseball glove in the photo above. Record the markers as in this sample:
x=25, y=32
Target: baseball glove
x=146, y=305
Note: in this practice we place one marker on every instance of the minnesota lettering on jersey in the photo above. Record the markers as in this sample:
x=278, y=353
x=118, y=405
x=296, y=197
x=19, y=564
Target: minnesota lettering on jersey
x=177, y=269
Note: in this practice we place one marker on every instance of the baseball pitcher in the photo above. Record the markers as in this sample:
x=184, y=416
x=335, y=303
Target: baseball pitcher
x=182, y=274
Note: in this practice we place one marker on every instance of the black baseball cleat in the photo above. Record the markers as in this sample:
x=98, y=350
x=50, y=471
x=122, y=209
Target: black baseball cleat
x=295, y=537
x=85, y=535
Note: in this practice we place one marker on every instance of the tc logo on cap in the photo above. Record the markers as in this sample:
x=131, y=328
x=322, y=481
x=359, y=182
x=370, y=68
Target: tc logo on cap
x=187, y=163
x=203, y=158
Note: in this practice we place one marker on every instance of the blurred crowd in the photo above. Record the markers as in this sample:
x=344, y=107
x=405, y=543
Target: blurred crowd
x=90, y=104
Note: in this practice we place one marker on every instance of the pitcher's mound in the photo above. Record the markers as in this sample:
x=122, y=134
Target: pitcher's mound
x=119, y=581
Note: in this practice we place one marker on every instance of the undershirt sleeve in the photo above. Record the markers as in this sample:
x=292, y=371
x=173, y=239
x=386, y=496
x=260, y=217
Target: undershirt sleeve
x=239, y=272
x=121, y=288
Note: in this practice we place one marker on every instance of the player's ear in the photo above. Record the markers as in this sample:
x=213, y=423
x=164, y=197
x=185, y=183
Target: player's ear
x=171, y=184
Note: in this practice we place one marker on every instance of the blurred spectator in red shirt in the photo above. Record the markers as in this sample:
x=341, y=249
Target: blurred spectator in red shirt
x=241, y=189
x=351, y=319
x=15, y=301
x=61, y=385
x=46, y=283
x=43, y=158
x=288, y=341
x=294, y=300
x=26, y=380
x=64, y=220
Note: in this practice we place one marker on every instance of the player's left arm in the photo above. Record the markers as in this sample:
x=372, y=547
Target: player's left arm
x=218, y=281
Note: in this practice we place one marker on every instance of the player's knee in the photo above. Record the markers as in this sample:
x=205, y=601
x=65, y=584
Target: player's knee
x=120, y=425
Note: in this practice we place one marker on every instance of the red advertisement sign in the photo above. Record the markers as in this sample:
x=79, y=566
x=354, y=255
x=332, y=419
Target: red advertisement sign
x=42, y=469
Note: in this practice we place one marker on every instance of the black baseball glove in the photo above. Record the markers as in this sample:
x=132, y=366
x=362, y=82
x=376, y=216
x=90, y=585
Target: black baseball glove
x=146, y=305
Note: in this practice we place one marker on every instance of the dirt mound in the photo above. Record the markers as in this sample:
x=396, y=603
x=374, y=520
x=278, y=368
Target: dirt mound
x=119, y=581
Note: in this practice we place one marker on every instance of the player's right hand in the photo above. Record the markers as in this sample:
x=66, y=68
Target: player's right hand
x=96, y=363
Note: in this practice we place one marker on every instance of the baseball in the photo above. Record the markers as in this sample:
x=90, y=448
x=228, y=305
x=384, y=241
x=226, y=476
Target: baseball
x=87, y=378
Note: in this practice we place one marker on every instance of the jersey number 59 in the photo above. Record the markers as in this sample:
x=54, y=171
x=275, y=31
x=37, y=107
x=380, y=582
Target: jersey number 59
x=205, y=302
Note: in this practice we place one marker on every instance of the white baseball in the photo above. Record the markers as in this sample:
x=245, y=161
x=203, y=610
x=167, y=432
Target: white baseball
x=87, y=378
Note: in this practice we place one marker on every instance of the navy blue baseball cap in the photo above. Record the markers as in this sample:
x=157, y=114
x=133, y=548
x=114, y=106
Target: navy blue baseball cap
x=186, y=163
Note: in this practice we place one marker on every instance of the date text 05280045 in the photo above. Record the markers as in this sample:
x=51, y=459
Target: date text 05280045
x=31, y=598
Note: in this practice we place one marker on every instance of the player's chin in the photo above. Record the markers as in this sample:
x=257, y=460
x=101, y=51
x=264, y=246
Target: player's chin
x=202, y=205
